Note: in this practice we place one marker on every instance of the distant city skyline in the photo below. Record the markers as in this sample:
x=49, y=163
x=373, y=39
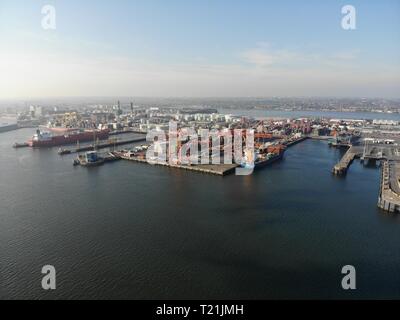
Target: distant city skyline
x=199, y=49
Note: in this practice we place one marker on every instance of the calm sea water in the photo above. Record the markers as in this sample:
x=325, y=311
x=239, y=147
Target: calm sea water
x=136, y=231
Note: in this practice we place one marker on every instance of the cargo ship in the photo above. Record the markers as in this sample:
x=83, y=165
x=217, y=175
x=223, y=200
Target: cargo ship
x=263, y=156
x=268, y=159
x=269, y=154
x=46, y=139
x=57, y=130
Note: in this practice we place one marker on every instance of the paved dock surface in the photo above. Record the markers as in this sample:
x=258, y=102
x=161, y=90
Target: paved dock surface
x=341, y=167
x=104, y=145
x=215, y=169
x=389, y=198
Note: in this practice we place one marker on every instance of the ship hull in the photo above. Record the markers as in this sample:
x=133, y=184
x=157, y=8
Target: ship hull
x=262, y=164
x=8, y=127
x=58, y=130
x=67, y=139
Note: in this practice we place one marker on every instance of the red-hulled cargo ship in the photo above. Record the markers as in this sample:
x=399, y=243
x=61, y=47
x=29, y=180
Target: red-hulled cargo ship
x=46, y=139
x=57, y=130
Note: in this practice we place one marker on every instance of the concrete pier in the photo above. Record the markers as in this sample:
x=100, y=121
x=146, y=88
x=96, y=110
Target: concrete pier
x=294, y=142
x=214, y=169
x=341, y=167
x=389, y=195
x=103, y=145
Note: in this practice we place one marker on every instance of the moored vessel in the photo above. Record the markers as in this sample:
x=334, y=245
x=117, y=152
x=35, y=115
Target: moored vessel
x=263, y=156
x=46, y=139
x=57, y=129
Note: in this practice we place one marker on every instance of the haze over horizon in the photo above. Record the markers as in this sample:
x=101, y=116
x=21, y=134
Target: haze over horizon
x=199, y=49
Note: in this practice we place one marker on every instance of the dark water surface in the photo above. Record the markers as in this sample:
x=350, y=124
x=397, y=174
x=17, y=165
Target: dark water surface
x=127, y=230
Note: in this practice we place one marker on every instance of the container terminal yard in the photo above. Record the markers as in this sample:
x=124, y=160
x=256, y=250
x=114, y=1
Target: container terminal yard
x=371, y=141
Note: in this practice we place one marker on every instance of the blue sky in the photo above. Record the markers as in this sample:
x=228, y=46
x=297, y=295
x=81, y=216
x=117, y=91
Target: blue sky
x=199, y=48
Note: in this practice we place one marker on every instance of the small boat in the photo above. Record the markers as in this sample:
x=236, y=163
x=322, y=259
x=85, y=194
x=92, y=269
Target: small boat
x=98, y=162
x=20, y=145
x=90, y=159
x=64, y=151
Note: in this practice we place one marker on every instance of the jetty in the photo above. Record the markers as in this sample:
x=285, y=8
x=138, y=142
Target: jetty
x=214, y=169
x=108, y=144
x=389, y=195
x=341, y=167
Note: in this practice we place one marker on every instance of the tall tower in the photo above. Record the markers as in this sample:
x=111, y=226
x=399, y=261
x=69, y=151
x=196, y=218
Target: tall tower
x=119, y=111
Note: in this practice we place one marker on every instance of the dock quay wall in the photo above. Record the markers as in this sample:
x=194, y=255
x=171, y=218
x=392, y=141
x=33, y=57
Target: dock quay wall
x=219, y=170
x=388, y=199
x=341, y=167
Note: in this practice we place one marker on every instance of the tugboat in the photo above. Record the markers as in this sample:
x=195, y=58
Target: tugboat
x=90, y=159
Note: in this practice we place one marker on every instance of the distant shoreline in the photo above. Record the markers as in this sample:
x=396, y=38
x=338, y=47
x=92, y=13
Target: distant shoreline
x=261, y=113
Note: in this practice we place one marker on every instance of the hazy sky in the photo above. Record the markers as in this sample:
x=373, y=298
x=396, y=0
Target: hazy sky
x=197, y=48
